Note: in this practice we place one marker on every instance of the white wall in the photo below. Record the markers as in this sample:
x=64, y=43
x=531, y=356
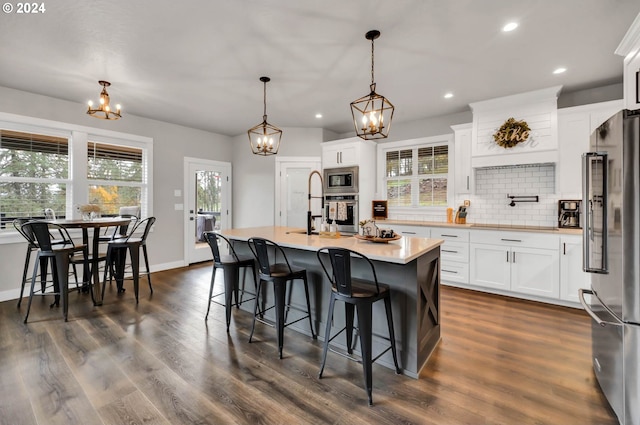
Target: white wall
x=171, y=144
x=254, y=175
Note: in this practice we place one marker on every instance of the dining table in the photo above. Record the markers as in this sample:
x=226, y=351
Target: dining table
x=92, y=266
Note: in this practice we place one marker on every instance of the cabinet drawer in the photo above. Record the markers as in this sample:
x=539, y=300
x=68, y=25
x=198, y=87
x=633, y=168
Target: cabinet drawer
x=515, y=239
x=448, y=234
x=454, y=251
x=410, y=231
x=454, y=272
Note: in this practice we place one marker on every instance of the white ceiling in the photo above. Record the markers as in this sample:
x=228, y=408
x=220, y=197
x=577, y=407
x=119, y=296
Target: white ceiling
x=198, y=63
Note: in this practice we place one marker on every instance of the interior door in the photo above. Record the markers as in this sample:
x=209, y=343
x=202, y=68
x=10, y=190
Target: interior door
x=207, y=204
x=292, y=190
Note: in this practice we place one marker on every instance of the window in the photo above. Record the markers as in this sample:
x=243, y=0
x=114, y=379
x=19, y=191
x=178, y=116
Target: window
x=115, y=176
x=47, y=164
x=34, y=175
x=417, y=175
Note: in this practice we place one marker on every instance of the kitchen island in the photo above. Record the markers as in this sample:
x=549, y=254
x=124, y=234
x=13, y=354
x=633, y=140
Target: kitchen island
x=410, y=266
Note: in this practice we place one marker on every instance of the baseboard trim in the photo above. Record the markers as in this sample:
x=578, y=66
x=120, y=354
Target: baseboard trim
x=13, y=294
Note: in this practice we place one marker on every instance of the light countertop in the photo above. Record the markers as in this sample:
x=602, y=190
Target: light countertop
x=401, y=251
x=506, y=227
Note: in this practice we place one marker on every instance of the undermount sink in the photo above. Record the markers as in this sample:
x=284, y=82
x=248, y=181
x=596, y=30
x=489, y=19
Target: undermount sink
x=301, y=232
x=314, y=233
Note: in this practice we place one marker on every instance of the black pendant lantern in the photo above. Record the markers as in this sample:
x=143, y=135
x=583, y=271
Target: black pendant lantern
x=372, y=114
x=264, y=137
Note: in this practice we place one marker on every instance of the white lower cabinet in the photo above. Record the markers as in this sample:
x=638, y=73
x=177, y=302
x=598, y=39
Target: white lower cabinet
x=535, y=271
x=490, y=266
x=572, y=276
x=541, y=266
x=525, y=263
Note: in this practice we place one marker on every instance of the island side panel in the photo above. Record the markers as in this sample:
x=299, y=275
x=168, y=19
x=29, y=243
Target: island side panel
x=428, y=305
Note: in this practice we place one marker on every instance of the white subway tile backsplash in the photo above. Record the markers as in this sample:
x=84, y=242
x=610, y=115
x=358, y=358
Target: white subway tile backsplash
x=490, y=204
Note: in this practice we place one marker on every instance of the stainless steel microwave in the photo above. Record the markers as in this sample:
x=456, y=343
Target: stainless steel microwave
x=341, y=180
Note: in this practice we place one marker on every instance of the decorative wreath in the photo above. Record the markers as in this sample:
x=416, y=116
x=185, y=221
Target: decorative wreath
x=511, y=133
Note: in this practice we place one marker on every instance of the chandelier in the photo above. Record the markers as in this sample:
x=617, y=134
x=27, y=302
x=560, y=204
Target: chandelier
x=103, y=111
x=264, y=137
x=372, y=114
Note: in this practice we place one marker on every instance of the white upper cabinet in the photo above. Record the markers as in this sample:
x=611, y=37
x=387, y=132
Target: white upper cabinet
x=348, y=152
x=575, y=126
x=629, y=48
x=463, y=177
x=340, y=156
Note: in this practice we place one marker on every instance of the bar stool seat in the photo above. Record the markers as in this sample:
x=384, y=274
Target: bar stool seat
x=358, y=294
x=278, y=273
x=230, y=264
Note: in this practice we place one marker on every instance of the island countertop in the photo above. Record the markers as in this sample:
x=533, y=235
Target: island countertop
x=401, y=251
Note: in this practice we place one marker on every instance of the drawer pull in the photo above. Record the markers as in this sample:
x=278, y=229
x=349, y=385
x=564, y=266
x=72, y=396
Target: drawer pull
x=449, y=271
x=408, y=233
x=511, y=240
x=446, y=250
x=449, y=236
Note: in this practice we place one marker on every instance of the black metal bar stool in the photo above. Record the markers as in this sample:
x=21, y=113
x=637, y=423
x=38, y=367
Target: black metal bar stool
x=360, y=294
x=117, y=252
x=32, y=245
x=230, y=265
x=59, y=254
x=279, y=273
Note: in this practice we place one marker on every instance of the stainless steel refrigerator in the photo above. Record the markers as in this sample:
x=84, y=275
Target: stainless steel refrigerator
x=611, y=237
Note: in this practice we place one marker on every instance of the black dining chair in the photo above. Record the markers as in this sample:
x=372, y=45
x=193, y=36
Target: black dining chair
x=274, y=267
x=117, y=252
x=32, y=246
x=230, y=264
x=359, y=294
x=59, y=254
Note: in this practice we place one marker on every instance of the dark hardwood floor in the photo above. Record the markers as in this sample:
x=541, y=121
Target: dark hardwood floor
x=500, y=361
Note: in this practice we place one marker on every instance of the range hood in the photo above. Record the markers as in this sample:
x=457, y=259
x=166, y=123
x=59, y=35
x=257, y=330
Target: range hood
x=539, y=109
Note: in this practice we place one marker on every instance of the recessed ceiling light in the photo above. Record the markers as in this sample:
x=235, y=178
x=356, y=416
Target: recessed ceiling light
x=559, y=70
x=318, y=115
x=448, y=95
x=510, y=26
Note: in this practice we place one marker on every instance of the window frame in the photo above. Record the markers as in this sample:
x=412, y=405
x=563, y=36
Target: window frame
x=78, y=182
x=414, y=145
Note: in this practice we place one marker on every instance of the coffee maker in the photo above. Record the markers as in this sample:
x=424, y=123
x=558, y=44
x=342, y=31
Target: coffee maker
x=569, y=214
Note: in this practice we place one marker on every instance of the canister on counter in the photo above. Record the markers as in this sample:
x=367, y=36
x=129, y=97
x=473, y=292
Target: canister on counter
x=449, y=215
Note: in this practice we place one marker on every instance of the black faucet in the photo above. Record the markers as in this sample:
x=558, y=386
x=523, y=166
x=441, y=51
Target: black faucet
x=310, y=215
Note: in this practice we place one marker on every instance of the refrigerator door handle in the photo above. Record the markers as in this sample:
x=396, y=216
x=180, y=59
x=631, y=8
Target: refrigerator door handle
x=587, y=308
x=600, y=201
